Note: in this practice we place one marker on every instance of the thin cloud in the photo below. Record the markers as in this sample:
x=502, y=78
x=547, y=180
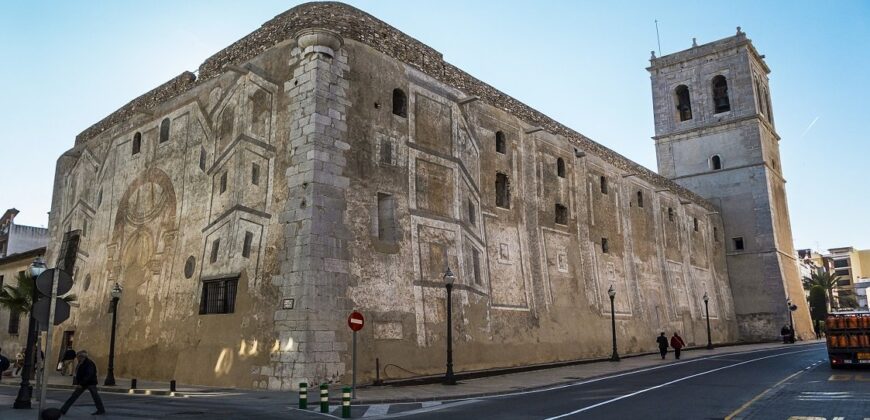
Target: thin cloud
x=806, y=130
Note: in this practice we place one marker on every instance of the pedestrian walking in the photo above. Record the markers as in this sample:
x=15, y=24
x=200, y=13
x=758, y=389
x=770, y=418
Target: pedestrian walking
x=86, y=378
x=677, y=343
x=69, y=357
x=785, y=332
x=4, y=364
x=19, y=364
x=663, y=345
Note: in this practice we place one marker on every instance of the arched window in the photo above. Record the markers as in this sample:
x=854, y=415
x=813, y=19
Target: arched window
x=500, y=142
x=400, y=103
x=164, y=130
x=560, y=167
x=715, y=163
x=720, y=94
x=684, y=102
x=137, y=143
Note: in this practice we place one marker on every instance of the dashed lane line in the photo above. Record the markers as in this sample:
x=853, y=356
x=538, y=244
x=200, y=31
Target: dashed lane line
x=746, y=405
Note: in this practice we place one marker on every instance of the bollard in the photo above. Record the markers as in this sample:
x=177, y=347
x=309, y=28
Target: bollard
x=324, y=398
x=172, y=385
x=303, y=395
x=378, y=380
x=133, y=383
x=345, y=402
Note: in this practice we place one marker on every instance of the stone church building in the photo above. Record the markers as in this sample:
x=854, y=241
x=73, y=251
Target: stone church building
x=327, y=163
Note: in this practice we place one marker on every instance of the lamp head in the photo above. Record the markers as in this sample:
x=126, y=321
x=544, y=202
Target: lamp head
x=449, y=278
x=611, y=292
x=706, y=297
x=116, y=291
x=37, y=267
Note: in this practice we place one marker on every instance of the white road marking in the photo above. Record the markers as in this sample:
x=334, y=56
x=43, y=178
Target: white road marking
x=377, y=410
x=427, y=404
x=429, y=409
x=672, y=382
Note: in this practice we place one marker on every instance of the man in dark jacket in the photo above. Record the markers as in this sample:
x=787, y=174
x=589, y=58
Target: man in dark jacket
x=86, y=378
x=677, y=343
x=663, y=345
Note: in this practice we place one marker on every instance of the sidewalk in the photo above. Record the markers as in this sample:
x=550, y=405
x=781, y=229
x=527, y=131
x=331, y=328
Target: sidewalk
x=122, y=386
x=531, y=380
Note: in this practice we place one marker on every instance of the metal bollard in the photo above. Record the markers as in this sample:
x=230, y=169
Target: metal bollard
x=345, y=402
x=133, y=383
x=172, y=385
x=303, y=395
x=324, y=398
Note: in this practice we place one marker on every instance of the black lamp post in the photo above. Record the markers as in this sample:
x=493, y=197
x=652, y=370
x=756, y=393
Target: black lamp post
x=615, y=356
x=25, y=390
x=707, y=310
x=449, y=278
x=791, y=308
x=116, y=295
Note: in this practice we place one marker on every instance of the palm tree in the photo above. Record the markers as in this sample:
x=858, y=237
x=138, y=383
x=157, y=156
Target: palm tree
x=825, y=280
x=18, y=299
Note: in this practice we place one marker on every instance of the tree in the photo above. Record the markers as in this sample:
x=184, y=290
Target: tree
x=825, y=280
x=818, y=303
x=18, y=298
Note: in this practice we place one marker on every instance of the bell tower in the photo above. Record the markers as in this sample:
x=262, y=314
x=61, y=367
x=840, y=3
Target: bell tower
x=715, y=135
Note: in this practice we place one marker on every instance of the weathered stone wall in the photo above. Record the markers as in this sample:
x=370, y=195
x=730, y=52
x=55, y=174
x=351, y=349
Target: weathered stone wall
x=749, y=189
x=286, y=169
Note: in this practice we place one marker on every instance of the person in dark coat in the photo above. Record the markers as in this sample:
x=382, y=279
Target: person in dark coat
x=677, y=343
x=86, y=378
x=785, y=332
x=663, y=345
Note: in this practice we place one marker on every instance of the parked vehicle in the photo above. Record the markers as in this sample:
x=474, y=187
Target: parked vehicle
x=848, y=338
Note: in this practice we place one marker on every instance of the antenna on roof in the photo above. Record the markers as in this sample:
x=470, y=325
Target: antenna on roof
x=658, y=38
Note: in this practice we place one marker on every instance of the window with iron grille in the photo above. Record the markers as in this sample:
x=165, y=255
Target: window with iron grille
x=14, y=322
x=218, y=296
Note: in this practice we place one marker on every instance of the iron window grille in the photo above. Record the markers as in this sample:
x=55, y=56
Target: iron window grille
x=218, y=296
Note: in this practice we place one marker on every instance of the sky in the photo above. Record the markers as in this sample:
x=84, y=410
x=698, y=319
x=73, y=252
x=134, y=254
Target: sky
x=68, y=64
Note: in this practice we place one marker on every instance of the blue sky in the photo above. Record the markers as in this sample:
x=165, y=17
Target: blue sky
x=69, y=64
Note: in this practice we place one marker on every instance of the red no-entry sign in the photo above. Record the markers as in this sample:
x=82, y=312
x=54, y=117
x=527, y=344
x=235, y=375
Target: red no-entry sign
x=355, y=321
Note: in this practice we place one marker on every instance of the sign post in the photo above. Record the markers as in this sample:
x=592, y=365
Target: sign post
x=355, y=321
x=52, y=308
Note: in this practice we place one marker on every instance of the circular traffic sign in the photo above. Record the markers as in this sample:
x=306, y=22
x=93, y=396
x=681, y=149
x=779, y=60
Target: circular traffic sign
x=355, y=321
x=64, y=282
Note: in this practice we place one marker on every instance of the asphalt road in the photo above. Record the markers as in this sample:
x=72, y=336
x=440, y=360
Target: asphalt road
x=785, y=383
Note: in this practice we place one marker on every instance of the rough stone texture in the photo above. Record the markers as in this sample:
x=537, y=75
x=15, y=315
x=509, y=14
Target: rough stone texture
x=749, y=189
x=355, y=207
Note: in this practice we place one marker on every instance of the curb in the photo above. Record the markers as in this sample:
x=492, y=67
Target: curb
x=113, y=390
x=362, y=401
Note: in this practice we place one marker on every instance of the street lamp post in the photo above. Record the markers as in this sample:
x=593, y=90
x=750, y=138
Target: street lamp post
x=449, y=278
x=791, y=308
x=25, y=390
x=116, y=295
x=612, y=293
x=707, y=310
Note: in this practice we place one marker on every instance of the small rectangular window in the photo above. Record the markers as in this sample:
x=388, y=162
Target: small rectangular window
x=500, y=142
x=472, y=213
x=695, y=223
x=246, y=245
x=844, y=263
x=561, y=214
x=14, y=322
x=843, y=272
x=603, y=185
x=475, y=259
x=255, y=174
x=215, y=246
x=218, y=296
x=502, y=191
x=164, y=130
x=84, y=228
x=640, y=198
x=738, y=243
x=604, y=247
x=715, y=234
x=387, y=230
x=670, y=214
x=202, y=157
x=387, y=152
x=223, y=182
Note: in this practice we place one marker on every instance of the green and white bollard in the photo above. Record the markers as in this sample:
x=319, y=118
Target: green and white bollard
x=303, y=395
x=345, y=402
x=324, y=398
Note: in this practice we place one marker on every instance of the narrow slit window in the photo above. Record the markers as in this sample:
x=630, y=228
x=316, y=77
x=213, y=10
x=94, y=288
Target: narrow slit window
x=603, y=182
x=215, y=247
x=223, y=182
x=475, y=260
x=400, y=103
x=560, y=167
x=561, y=214
x=684, y=102
x=202, y=157
x=164, y=130
x=715, y=234
x=720, y=95
x=387, y=229
x=137, y=143
x=695, y=224
x=472, y=213
x=255, y=174
x=246, y=245
x=502, y=191
x=387, y=152
x=500, y=142
x=670, y=214
x=605, y=248
x=640, y=198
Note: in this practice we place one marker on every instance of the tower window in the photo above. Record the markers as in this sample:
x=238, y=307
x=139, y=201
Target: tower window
x=716, y=162
x=640, y=198
x=475, y=262
x=684, y=102
x=246, y=245
x=472, y=213
x=386, y=152
x=560, y=167
x=695, y=223
x=603, y=181
x=223, y=182
x=400, y=103
x=500, y=142
x=769, y=109
x=387, y=217
x=720, y=94
x=561, y=214
x=715, y=234
x=202, y=158
x=164, y=130
x=502, y=191
x=215, y=247
x=218, y=296
x=604, y=247
x=670, y=214
x=738, y=243
x=255, y=174
x=137, y=143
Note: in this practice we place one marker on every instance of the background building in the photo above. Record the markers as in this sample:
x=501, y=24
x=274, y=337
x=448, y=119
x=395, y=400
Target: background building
x=850, y=265
x=15, y=239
